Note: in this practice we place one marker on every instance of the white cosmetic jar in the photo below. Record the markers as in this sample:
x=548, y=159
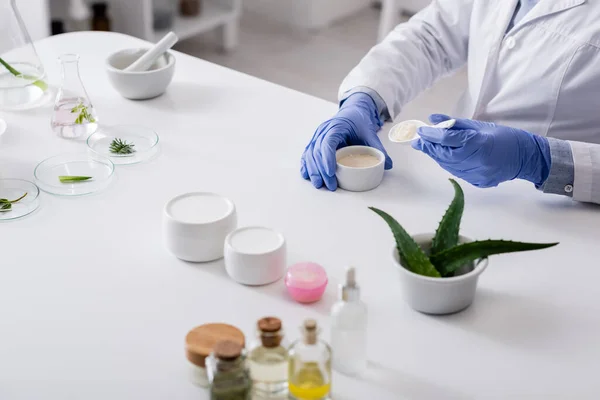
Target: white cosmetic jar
x=255, y=255
x=195, y=225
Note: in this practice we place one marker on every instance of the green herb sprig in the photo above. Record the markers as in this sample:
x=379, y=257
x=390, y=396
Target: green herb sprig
x=447, y=255
x=84, y=114
x=119, y=146
x=38, y=82
x=73, y=178
x=6, y=205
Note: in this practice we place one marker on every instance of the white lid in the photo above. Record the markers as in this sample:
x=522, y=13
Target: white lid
x=255, y=240
x=199, y=208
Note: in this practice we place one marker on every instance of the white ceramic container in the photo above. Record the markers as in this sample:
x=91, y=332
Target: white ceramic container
x=143, y=84
x=255, y=255
x=439, y=295
x=195, y=225
x=359, y=179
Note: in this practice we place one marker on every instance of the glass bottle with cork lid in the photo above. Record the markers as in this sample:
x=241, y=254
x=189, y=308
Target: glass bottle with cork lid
x=309, y=365
x=268, y=360
x=227, y=372
x=200, y=342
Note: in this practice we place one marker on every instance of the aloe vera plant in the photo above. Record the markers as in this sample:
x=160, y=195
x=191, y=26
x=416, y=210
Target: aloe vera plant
x=446, y=255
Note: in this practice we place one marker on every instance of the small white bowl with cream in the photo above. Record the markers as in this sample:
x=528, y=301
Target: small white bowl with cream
x=195, y=225
x=359, y=168
x=255, y=255
x=407, y=131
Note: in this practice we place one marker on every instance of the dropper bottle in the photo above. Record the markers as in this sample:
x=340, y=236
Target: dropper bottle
x=349, y=328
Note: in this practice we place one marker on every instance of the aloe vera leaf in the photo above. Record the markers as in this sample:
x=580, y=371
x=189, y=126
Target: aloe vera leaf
x=39, y=83
x=71, y=179
x=446, y=235
x=414, y=259
x=448, y=261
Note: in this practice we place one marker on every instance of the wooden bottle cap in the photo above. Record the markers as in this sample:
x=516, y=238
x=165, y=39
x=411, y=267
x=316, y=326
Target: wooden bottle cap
x=201, y=340
x=269, y=324
x=310, y=325
x=227, y=350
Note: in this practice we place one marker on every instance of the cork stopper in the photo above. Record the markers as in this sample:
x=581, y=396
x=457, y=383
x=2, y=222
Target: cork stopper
x=269, y=329
x=269, y=324
x=201, y=340
x=227, y=350
x=310, y=331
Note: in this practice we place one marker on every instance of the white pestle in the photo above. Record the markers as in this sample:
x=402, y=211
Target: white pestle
x=149, y=57
x=406, y=131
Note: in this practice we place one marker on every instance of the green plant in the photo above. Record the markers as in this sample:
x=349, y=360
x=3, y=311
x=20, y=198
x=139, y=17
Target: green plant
x=84, y=114
x=446, y=255
x=119, y=146
x=73, y=179
x=6, y=205
x=37, y=82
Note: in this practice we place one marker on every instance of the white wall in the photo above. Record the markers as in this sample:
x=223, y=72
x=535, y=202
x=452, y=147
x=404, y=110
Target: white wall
x=36, y=16
x=413, y=6
x=306, y=14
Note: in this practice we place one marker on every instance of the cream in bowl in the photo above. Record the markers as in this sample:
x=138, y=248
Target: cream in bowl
x=140, y=85
x=359, y=168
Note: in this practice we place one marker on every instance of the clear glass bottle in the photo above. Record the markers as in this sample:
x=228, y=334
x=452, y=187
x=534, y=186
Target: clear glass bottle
x=309, y=365
x=229, y=378
x=349, y=328
x=21, y=71
x=74, y=115
x=268, y=360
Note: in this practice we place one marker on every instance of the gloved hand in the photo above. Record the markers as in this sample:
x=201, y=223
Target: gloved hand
x=356, y=123
x=485, y=154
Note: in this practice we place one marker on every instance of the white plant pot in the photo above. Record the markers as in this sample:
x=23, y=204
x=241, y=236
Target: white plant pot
x=439, y=295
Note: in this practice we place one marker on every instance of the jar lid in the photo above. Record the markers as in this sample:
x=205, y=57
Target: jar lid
x=306, y=275
x=269, y=324
x=228, y=350
x=201, y=340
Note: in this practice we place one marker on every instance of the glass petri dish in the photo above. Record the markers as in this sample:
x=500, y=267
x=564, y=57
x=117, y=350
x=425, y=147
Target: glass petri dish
x=99, y=168
x=144, y=140
x=12, y=189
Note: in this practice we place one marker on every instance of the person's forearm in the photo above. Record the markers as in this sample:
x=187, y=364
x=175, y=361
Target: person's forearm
x=433, y=43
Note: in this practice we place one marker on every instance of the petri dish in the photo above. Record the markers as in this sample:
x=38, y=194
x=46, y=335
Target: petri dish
x=144, y=140
x=46, y=174
x=13, y=189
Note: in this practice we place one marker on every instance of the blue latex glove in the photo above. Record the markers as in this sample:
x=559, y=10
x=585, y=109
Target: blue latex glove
x=356, y=123
x=485, y=154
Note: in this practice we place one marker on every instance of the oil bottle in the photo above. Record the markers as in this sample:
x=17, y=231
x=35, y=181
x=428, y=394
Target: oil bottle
x=309, y=365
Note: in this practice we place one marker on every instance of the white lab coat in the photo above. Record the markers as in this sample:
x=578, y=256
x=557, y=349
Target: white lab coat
x=542, y=76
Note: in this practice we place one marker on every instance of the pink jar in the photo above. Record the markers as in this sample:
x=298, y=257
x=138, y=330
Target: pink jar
x=306, y=282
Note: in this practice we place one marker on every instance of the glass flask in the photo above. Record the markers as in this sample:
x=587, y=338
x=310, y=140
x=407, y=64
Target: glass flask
x=74, y=115
x=21, y=72
x=309, y=365
x=227, y=372
x=268, y=360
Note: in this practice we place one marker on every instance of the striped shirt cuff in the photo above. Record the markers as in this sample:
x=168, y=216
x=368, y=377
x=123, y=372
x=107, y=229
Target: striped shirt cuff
x=562, y=171
x=381, y=107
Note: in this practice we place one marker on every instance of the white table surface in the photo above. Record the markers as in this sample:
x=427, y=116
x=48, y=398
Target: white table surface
x=94, y=307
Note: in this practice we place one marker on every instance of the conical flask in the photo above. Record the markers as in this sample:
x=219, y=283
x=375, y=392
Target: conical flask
x=21, y=72
x=74, y=115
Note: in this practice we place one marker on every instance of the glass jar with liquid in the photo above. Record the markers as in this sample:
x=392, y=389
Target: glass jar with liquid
x=309, y=365
x=268, y=360
x=229, y=378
